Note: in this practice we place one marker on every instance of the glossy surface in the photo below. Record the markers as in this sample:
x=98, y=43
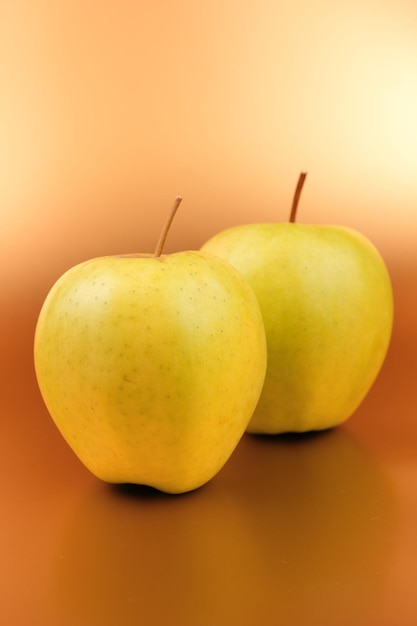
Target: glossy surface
x=312, y=529
x=109, y=111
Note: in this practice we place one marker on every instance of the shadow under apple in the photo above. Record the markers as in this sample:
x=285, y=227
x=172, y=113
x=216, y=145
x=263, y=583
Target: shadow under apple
x=295, y=530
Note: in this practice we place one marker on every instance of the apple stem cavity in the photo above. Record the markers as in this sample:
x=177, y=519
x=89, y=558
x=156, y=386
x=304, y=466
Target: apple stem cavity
x=297, y=195
x=167, y=226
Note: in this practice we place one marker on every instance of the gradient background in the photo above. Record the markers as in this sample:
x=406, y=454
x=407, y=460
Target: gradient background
x=108, y=110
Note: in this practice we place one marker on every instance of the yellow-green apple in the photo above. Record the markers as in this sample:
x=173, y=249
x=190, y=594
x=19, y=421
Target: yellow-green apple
x=151, y=365
x=326, y=299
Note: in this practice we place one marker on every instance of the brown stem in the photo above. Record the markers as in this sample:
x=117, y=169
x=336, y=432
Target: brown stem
x=167, y=225
x=297, y=195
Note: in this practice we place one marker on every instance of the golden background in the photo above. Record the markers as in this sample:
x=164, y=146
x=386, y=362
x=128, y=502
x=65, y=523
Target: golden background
x=111, y=109
x=108, y=110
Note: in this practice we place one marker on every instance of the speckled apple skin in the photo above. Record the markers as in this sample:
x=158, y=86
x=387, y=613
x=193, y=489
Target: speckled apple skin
x=151, y=367
x=326, y=299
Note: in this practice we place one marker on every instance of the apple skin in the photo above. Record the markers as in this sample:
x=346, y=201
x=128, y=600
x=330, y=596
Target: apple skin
x=326, y=300
x=151, y=367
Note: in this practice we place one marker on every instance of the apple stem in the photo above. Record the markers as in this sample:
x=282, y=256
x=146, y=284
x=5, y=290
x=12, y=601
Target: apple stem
x=297, y=195
x=167, y=225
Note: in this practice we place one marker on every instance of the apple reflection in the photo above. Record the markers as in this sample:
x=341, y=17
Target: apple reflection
x=295, y=530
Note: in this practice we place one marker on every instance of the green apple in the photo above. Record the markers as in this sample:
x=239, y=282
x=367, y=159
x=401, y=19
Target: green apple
x=326, y=300
x=151, y=365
